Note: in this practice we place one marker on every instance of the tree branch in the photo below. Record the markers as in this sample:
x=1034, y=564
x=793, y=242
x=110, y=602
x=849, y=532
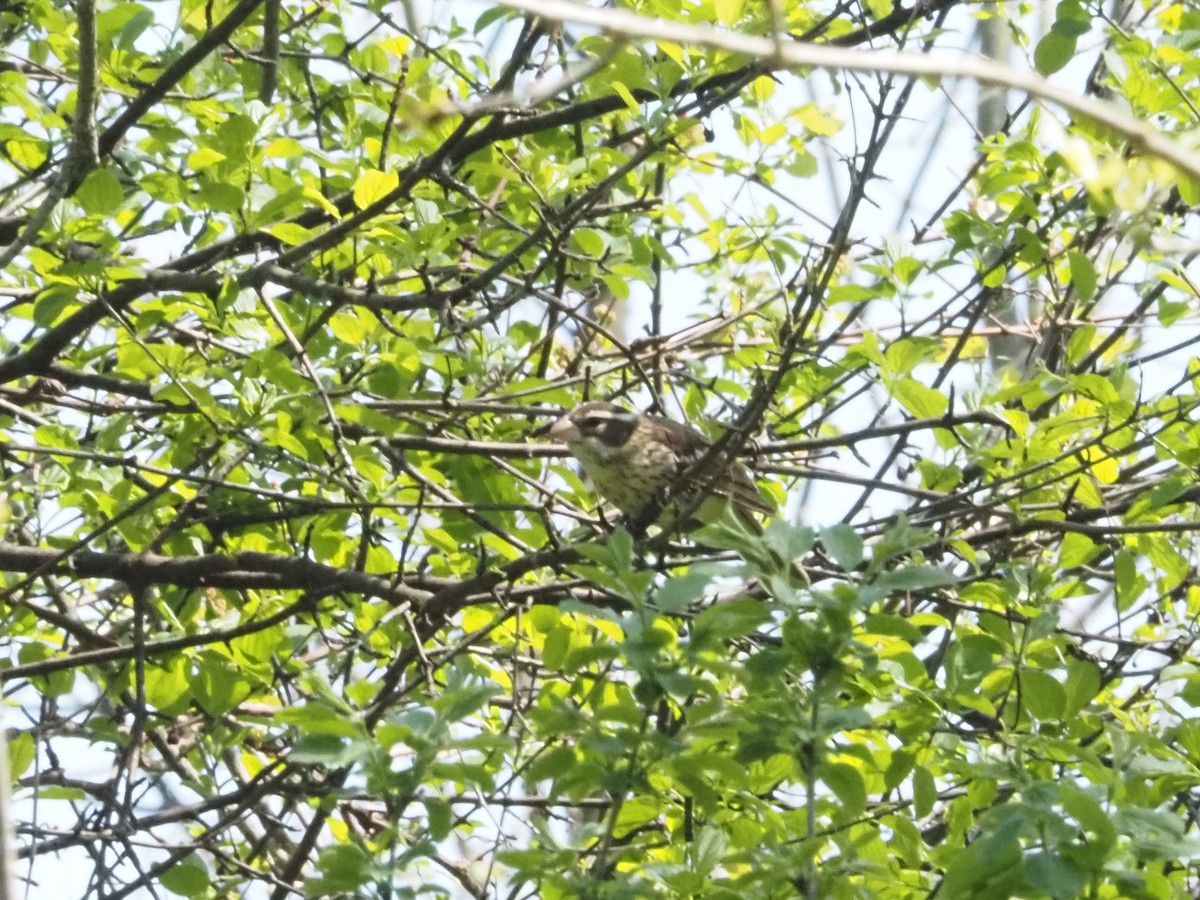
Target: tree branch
x=241, y=571
x=624, y=24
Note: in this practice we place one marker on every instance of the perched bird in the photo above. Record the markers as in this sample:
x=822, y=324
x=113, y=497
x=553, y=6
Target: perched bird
x=633, y=458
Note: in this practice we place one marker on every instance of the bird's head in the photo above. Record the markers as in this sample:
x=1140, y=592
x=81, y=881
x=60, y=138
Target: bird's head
x=595, y=430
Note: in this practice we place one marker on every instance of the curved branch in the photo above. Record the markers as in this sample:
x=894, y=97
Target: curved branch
x=773, y=55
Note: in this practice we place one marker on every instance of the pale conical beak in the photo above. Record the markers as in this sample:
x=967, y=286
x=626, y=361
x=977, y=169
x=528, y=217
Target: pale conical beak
x=563, y=430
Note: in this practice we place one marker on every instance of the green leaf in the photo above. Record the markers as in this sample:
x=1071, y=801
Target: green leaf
x=846, y=781
x=61, y=793
x=899, y=768
x=219, y=686
x=1189, y=189
x=372, y=186
x=1155, y=834
x=1083, y=275
x=352, y=326
x=464, y=701
x=1053, y=52
x=110, y=22
x=620, y=546
x=327, y=750
x=1167, y=491
x=1057, y=47
x=27, y=152
x=188, y=878
x=552, y=764
x=22, y=752
x=992, y=863
x=1093, y=818
x=556, y=646
x=719, y=623
x=1129, y=583
x=851, y=293
x=416, y=724
x=1042, y=695
x=1076, y=550
x=427, y=212
x=221, y=197
x=924, y=792
x=844, y=544
x=1083, y=683
x=1072, y=28
x=1055, y=875
x=899, y=626
x=101, y=193
x=788, y=542
x=819, y=120
x=344, y=868
x=589, y=242
x=914, y=578
x=628, y=98
x=167, y=684
x=707, y=851
x=441, y=818
x=679, y=592
x=56, y=683
x=923, y=402
x=728, y=11
x=52, y=303
x=204, y=158
x=165, y=186
x=290, y=233
x=283, y=148
x=489, y=16
x=320, y=717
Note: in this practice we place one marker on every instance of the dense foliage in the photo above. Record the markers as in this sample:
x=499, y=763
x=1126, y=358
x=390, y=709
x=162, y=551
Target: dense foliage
x=295, y=601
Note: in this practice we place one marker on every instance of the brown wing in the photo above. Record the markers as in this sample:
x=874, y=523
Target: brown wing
x=736, y=484
x=741, y=489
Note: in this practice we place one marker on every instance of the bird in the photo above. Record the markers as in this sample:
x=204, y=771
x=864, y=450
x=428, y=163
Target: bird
x=633, y=459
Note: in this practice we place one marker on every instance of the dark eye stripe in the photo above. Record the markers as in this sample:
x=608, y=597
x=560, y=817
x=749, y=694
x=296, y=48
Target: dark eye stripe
x=614, y=430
